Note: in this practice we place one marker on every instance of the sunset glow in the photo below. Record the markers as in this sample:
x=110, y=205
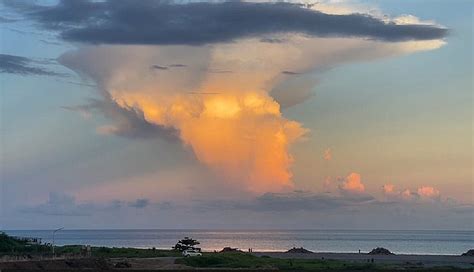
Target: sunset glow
x=255, y=114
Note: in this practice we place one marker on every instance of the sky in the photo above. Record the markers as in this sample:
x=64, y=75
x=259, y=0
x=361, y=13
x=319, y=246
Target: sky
x=259, y=115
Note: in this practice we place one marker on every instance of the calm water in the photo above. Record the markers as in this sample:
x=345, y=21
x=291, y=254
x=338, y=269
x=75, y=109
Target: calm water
x=422, y=242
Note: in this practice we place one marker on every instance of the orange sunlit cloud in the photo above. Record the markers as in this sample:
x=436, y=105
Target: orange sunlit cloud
x=353, y=183
x=327, y=154
x=422, y=193
x=242, y=136
x=388, y=189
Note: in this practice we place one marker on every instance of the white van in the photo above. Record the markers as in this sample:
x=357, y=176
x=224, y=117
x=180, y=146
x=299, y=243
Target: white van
x=191, y=253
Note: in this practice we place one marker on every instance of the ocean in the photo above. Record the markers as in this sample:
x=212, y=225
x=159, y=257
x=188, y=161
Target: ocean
x=397, y=241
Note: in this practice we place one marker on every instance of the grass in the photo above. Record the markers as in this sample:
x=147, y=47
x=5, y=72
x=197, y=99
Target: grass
x=244, y=260
x=9, y=245
x=115, y=252
x=13, y=246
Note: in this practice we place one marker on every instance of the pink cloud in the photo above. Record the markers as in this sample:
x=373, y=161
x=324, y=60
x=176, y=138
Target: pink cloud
x=327, y=154
x=406, y=194
x=428, y=192
x=423, y=192
x=352, y=183
x=388, y=189
x=329, y=185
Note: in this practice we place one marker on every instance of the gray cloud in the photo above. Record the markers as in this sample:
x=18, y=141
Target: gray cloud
x=139, y=203
x=272, y=40
x=178, y=65
x=291, y=73
x=60, y=204
x=130, y=122
x=166, y=205
x=306, y=201
x=167, y=67
x=127, y=121
x=217, y=71
x=294, y=90
x=304, y=209
x=319, y=202
x=198, y=23
x=11, y=64
x=291, y=202
x=158, y=67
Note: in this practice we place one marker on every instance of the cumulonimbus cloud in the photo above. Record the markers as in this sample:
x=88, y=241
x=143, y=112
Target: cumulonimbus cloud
x=226, y=101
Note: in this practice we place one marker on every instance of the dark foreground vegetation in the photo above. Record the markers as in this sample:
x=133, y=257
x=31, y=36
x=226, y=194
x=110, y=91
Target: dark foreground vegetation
x=216, y=262
x=245, y=260
x=9, y=245
x=238, y=260
x=12, y=246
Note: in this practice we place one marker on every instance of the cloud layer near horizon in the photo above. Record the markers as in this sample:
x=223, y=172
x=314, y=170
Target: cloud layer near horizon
x=307, y=210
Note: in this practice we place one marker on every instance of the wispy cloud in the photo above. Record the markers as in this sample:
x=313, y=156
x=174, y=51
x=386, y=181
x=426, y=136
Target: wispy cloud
x=291, y=73
x=7, y=20
x=158, y=67
x=178, y=65
x=12, y=64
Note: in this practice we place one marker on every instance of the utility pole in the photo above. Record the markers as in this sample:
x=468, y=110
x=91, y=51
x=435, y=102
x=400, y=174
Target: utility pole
x=54, y=232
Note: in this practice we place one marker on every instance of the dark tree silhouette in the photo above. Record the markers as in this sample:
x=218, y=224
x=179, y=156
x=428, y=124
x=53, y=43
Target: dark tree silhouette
x=186, y=243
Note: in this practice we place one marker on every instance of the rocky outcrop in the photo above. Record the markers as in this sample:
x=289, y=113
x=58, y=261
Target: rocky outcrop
x=123, y=264
x=230, y=249
x=380, y=251
x=298, y=250
x=470, y=252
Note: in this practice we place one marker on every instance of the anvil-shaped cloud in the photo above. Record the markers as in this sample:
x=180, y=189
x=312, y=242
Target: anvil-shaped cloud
x=217, y=75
